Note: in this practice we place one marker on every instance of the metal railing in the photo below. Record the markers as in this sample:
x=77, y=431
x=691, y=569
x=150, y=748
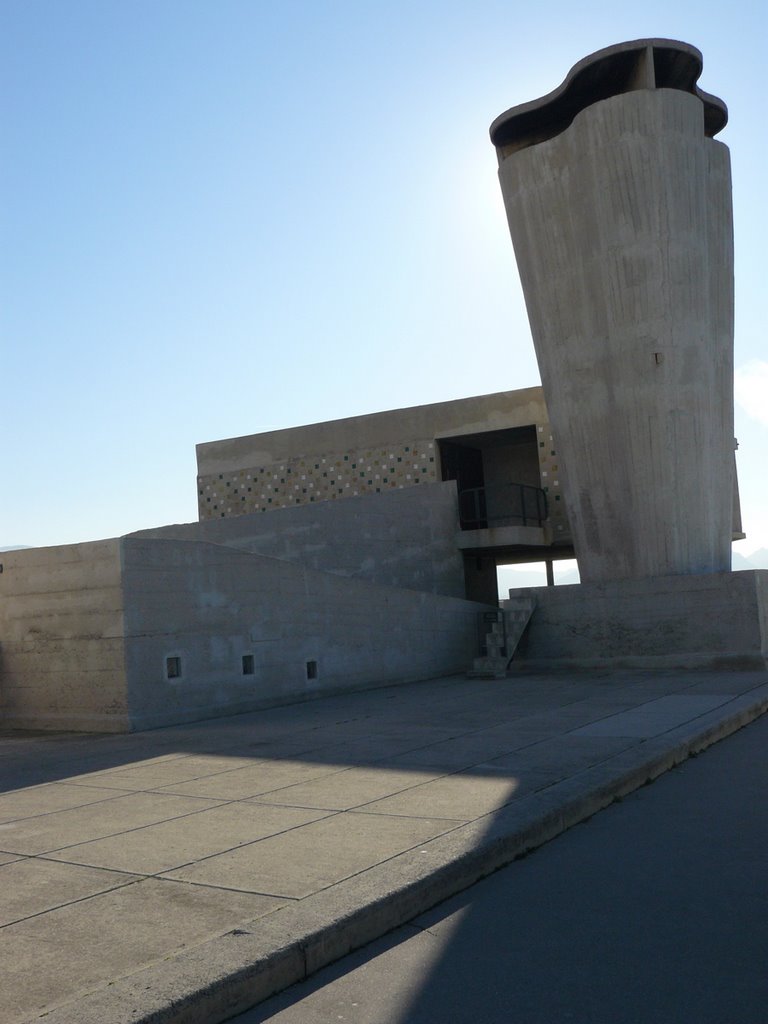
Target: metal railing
x=502, y=505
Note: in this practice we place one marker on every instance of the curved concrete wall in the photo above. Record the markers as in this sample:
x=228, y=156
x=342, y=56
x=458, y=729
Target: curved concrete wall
x=622, y=231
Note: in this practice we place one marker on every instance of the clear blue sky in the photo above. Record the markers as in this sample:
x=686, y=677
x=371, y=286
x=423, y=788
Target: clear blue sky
x=220, y=218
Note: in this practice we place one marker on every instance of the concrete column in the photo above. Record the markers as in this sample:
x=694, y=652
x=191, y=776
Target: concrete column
x=619, y=208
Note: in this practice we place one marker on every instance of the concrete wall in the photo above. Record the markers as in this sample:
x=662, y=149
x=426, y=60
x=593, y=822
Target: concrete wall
x=513, y=465
x=517, y=462
x=350, y=457
x=61, y=646
x=401, y=538
x=439, y=419
x=86, y=631
x=622, y=231
x=716, y=620
x=209, y=605
x=480, y=579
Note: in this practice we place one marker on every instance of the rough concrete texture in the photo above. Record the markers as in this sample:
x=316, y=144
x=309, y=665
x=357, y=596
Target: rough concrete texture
x=645, y=915
x=61, y=630
x=204, y=867
x=441, y=419
x=210, y=606
x=400, y=538
x=622, y=230
x=715, y=620
x=87, y=632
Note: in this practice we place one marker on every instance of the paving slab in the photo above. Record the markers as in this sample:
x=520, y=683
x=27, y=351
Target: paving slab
x=46, y=833
x=465, y=751
x=165, y=771
x=52, y=957
x=312, y=858
x=654, y=718
x=258, y=778
x=36, y=800
x=31, y=886
x=461, y=796
x=347, y=789
x=194, y=837
x=568, y=753
x=183, y=875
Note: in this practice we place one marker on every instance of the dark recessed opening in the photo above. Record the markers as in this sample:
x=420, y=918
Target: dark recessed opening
x=173, y=668
x=311, y=670
x=248, y=669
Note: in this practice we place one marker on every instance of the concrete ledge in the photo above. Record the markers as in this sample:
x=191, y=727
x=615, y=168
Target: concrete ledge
x=235, y=971
x=659, y=662
x=601, y=74
x=712, y=621
x=503, y=537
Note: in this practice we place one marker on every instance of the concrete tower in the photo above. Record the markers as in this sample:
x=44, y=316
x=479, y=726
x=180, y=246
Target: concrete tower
x=619, y=206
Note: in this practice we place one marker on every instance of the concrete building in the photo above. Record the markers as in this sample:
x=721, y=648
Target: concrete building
x=282, y=591
x=248, y=608
x=363, y=551
x=338, y=555
x=619, y=205
x=139, y=632
x=497, y=449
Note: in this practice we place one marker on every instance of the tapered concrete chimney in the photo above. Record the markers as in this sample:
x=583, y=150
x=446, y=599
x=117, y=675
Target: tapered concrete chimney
x=619, y=206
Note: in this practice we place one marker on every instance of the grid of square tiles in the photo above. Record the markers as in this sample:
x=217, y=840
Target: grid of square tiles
x=312, y=478
x=549, y=470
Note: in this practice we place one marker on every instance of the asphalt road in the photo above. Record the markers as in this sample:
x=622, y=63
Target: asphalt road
x=654, y=911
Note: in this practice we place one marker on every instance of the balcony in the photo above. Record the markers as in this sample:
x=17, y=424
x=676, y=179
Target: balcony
x=504, y=519
x=482, y=508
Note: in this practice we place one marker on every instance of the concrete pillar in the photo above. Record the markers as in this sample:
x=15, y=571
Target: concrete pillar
x=618, y=202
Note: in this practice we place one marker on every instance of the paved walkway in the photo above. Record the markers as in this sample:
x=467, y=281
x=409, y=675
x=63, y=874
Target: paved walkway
x=184, y=874
x=654, y=911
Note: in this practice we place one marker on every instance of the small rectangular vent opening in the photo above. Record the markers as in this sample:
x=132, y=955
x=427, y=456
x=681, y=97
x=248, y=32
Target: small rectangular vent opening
x=311, y=670
x=173, y=668
x=248, y=667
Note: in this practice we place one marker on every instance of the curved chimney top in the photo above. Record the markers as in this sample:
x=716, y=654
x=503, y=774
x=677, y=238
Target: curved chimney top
x=625, y=67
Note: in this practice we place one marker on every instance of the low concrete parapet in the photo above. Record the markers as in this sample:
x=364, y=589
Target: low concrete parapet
x=136, y=633
x=709, y=621
x=300, y=633
x=62, y=663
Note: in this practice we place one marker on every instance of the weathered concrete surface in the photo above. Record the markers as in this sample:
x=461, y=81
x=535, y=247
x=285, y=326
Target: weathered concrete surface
x=86, y=632
x=210, y=606
x=400, y=538
x=502, y=537
x=622, y=229
x=61, y=638
x=717, y=620
x=206, y=866
x=441, y=419
x=652, y=911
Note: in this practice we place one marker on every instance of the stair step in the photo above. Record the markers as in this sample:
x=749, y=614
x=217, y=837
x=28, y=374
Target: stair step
x=503, y=633
x=488, y=668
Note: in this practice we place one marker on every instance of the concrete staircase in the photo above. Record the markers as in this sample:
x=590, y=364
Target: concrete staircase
x=504, y=629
